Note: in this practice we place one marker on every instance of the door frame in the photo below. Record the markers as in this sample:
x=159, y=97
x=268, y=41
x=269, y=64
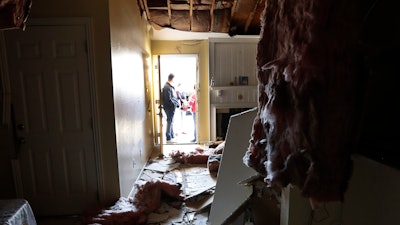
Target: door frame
x=87, y=24
x=157, y=86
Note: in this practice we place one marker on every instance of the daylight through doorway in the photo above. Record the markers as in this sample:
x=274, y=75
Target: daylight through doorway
x=184, y=67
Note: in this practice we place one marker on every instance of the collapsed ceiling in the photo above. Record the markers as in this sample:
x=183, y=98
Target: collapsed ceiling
x=235, y=17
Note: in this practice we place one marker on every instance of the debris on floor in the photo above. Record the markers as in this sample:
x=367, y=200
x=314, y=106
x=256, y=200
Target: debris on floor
x=149, y=197
x=211, y=156
x=169, y=191
x=181, y=188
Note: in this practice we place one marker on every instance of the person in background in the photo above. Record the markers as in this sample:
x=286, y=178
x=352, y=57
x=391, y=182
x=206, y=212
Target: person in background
x=192, y=104
x=170, y=102
x=182, y=110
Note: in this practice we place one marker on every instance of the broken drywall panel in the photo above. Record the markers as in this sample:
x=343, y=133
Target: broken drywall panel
x=229, y=193
x=166, y=214
x=197, y=179
x=148, y=175
x=200, y=202
x=200, y=219
x=162, y=165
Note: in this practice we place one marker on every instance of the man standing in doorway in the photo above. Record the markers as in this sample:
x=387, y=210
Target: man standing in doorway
x=170, y=102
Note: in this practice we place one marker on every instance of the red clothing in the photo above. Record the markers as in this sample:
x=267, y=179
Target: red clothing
x=192, y=102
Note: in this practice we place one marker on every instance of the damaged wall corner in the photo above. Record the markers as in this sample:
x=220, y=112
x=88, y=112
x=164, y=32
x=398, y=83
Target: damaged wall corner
x=296, y=209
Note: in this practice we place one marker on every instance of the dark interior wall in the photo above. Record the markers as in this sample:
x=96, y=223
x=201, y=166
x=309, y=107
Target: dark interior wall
x=380, y=44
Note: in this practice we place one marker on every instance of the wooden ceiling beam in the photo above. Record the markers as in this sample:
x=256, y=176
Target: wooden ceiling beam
x=251, y=16
x=169, y=11
x=191, y=14
x=233, y=9
x=158, y=8
x=212, y=15
x=143, y=4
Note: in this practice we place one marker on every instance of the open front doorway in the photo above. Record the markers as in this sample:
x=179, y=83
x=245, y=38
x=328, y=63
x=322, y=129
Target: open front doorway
x=184, y=67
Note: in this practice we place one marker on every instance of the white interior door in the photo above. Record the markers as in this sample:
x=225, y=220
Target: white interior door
x=51, y=97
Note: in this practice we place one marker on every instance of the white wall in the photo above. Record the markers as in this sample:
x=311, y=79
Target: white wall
x=373, y=198
x=130, y=52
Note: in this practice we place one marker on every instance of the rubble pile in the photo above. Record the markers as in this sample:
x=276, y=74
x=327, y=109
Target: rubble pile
x=210, y=156
x=148, y=198
x=174, y=189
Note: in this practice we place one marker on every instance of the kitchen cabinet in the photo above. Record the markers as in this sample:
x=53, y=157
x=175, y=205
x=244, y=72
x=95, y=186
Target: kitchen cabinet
x=233, y=60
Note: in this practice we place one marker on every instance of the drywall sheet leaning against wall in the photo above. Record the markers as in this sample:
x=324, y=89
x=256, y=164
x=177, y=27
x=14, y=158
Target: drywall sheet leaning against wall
x=229, y=194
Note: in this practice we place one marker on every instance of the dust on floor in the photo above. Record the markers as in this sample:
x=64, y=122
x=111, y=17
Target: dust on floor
x=168, y=191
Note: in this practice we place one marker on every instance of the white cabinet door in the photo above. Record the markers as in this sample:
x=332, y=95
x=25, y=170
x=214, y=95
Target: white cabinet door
x=231, y=59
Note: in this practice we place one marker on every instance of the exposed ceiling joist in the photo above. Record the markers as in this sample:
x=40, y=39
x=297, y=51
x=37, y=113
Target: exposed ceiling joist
x=212, y=15
x=251, y=16
x=220, y=16
x=169, y=11
x=191, y=14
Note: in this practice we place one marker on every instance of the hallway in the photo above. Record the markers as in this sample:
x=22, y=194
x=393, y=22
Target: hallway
x=168, y=191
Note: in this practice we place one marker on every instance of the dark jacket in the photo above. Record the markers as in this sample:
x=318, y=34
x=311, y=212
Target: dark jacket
x=170, y=100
